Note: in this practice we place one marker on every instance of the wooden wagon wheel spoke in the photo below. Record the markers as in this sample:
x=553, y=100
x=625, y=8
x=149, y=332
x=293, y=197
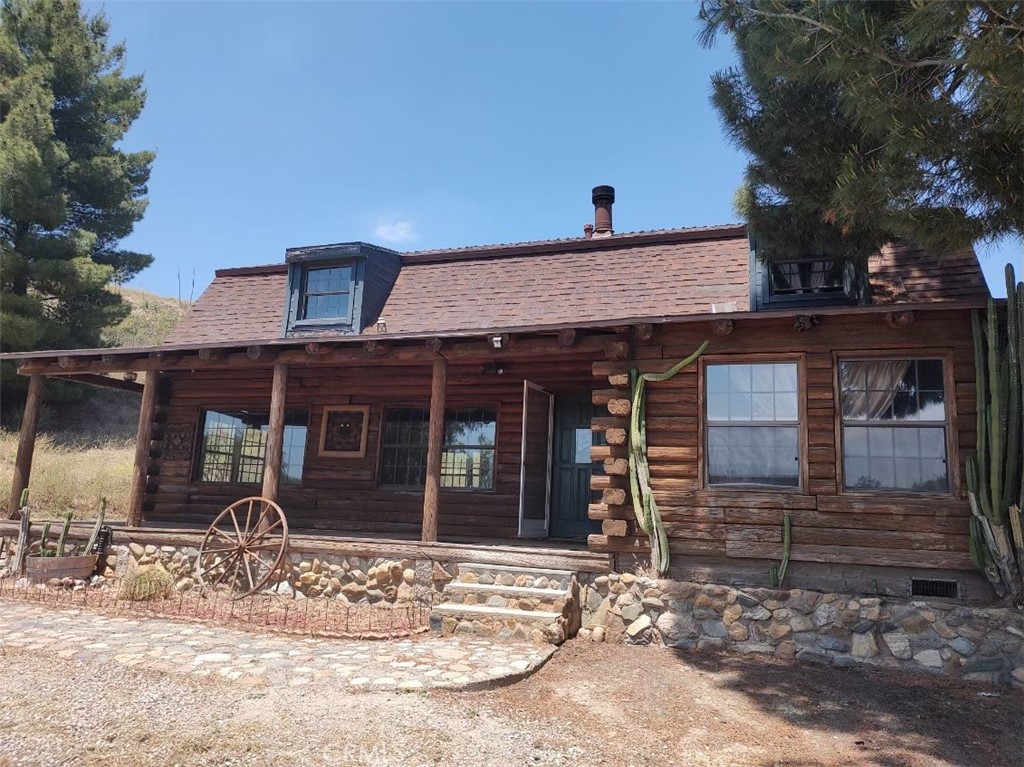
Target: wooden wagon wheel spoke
x=269, y=566
x=265, y=532
x=244, y=555
x=248, y=569
x=227, y=565
x=248, y=519
x=225, y=536
x=220, y=551
x=217, y=563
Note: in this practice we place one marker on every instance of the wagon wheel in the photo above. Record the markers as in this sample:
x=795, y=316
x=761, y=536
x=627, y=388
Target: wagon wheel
x=244, y=546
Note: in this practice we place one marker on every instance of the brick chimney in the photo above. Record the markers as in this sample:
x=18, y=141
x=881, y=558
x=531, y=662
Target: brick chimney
x=603, y=197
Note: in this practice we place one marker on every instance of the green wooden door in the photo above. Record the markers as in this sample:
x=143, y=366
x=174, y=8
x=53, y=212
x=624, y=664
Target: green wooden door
x=571, y=468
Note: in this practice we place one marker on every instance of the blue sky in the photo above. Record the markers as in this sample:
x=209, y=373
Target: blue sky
x=419, y=125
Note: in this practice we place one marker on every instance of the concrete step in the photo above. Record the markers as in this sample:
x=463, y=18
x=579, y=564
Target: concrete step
x=501, y=622
x=515, y=597
x=507, y=575
x=508, y=602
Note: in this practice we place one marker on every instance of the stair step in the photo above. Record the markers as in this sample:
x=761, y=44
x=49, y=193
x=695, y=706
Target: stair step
x=470, y=572
x=482, y=612
x=535, y=571
x=512, y=591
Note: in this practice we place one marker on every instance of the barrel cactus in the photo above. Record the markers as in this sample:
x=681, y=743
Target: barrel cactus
x=995, y=478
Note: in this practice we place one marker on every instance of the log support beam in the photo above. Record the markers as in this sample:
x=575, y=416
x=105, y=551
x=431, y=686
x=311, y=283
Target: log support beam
x=26, y=442
x=275, y=433
x=143, y=446
x=435, y=439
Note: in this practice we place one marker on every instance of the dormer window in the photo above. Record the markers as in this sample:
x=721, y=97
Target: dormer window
x=813, y=280
x=337, y=288
x=806, y=276
x=327, y=293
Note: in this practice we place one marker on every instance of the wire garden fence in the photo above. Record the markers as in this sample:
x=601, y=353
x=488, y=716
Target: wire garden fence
x=320, y=617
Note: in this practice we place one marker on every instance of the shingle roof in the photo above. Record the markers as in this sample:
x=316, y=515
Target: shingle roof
x=239, y=305
x=667, y=273
x=907, y=274
x=558, y=288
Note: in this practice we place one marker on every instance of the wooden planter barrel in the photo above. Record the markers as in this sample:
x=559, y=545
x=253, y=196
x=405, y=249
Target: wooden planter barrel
x=44, y=568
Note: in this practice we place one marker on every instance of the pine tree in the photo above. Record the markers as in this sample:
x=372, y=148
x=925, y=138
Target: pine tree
x=68, y=194
x=873, y=120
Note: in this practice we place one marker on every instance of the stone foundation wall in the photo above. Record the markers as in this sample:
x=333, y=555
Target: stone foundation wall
x=351, y=579
x=970, y=643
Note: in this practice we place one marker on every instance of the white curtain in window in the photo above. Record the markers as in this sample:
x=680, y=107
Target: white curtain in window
x=882, y=379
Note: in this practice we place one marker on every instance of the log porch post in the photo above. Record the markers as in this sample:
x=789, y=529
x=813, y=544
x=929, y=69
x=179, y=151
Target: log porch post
x=143, y=438
x=26, y=441
x=435, y=439
x=275, y=433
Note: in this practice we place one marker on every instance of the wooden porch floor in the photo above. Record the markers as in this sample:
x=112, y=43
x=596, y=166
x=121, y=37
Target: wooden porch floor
x=518, y=552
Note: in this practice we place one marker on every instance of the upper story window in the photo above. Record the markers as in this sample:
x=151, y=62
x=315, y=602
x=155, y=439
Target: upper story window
x=894, y=425
x=807, y=276
x=752, y=422
x=810, y=280
x=327, y=293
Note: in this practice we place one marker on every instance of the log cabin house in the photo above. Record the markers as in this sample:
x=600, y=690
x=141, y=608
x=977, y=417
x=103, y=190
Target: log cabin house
x=475, y=400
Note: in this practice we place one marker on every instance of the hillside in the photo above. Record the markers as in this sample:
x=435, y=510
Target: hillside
x=85, y=447
x=151, y=320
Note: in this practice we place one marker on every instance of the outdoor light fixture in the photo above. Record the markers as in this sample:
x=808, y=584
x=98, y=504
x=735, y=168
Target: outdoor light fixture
x=493, y=368
x=499, y=341
x=382, y=326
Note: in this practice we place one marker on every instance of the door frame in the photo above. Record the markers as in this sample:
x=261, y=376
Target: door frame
x=535, y=528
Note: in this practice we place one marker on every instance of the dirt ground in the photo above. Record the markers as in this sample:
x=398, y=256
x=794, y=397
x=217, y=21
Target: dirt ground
x=591, y=705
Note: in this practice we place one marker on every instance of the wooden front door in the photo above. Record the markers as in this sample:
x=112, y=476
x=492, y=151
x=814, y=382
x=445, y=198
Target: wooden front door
x=571, y=467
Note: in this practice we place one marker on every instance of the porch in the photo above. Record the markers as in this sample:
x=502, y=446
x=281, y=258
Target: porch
x=572, y=556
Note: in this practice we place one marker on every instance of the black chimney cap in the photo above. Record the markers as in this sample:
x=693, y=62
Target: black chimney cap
x=605, y=193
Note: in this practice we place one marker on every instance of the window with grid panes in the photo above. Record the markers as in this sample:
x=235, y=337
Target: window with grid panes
x=894, y=425
x=752, y=424
x=326, y=293
x=467, y=461
x=234, y=446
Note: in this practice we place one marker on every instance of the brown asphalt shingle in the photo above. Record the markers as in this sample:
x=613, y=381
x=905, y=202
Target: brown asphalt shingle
x=626, y=277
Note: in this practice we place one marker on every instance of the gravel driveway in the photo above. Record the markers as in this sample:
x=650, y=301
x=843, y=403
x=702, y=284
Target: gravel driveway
x=590, y=705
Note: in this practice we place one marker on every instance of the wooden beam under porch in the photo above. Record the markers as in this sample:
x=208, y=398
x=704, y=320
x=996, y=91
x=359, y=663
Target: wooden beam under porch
x=517, y=553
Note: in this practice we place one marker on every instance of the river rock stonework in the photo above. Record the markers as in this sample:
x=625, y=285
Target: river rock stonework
x=981, y=644
x=351, y=579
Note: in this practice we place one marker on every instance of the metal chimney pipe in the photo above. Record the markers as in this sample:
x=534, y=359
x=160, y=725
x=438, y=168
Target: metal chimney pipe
x=603, y=197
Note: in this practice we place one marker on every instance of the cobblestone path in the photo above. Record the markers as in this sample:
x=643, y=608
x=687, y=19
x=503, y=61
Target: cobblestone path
x=256, y=659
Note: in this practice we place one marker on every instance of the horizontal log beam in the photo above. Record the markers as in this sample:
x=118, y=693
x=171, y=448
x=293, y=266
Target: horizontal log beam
x=586, y=348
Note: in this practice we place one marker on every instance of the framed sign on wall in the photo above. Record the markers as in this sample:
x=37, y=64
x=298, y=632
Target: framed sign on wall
x=343, y=431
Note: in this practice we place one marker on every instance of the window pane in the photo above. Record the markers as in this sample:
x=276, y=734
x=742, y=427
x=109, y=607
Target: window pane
x=758, y=392
x=806, y=276
x=326, y=293
x=234, y=446
x=584, y=439
x=467, y=462
x=718, y=407
x=895, y=458
x=761, y=455
x=892, y=390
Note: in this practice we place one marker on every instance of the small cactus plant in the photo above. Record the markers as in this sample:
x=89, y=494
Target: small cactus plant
x=144, y=584
x=777, y=572
x=63, y=539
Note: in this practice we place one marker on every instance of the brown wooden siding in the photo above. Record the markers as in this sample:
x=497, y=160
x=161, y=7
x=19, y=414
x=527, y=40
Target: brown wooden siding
x=829, y=525
x=341, y=494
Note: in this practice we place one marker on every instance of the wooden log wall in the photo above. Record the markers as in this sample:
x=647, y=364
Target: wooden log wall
x=341, y=494
x=829, y=525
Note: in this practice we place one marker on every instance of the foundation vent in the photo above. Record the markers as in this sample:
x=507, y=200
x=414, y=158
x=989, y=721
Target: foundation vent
x=933, y=587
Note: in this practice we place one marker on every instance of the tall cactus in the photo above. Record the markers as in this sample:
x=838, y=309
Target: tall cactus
x=648, y=517
x=995, y=477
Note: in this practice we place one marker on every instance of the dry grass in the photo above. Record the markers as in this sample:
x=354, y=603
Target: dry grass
x=71, y=477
